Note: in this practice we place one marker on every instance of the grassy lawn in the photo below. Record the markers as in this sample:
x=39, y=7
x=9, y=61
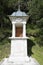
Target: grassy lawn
x=37, y=52
x=4, y=51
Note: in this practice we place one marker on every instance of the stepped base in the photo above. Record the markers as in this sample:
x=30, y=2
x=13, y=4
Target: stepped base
x=28, y=61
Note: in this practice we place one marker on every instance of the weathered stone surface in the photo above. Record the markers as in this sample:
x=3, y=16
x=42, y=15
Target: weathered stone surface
x=31, y=61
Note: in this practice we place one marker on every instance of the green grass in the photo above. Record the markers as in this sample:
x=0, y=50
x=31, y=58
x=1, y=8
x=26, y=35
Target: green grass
x=38, y=53
x=4, y=50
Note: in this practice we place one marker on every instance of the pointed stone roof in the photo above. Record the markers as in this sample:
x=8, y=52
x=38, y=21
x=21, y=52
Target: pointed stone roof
x=19, y=13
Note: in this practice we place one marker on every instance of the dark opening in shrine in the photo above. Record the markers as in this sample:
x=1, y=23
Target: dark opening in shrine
x=19, y=31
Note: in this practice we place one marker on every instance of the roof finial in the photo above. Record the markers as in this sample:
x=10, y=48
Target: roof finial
x=18, y=4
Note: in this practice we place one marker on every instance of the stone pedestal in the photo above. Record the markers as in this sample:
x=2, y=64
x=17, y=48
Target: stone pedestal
x=28, y=61
x=18, y=49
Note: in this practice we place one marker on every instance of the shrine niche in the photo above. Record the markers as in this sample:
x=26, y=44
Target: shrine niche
x=19, y=31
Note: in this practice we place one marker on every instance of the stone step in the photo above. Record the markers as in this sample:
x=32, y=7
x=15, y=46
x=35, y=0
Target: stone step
x=31, y=62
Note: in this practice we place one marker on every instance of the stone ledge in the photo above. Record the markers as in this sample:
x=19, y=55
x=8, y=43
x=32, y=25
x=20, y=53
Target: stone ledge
x=17, y=38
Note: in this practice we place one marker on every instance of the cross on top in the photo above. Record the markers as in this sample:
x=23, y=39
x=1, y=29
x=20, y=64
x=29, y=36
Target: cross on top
x=18, y=4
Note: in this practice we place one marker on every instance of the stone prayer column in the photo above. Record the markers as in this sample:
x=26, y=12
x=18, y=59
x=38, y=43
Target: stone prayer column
x=18, y=55
x=18, y=39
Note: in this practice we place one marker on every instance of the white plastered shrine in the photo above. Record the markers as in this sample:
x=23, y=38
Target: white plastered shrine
x=18, y=55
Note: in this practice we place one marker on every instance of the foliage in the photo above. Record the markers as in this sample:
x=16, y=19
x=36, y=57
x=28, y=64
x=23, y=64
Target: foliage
x=35, y=22
x=4, y=50
x=38, y=53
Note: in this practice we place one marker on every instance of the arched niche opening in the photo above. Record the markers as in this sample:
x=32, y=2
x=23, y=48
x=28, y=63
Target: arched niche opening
x=19, y=30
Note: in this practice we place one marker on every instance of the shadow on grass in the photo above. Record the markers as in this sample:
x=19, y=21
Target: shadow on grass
x=30, y=44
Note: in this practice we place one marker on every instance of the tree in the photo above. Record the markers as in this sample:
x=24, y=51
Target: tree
x=34, y=8
x=35, y=26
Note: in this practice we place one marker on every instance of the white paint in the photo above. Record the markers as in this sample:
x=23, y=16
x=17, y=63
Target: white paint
x=24, y=30
x=18, y=44
x=18, y=24
x=22, y=18
x=19, y=48
x=19, y=20
x=13, y=30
